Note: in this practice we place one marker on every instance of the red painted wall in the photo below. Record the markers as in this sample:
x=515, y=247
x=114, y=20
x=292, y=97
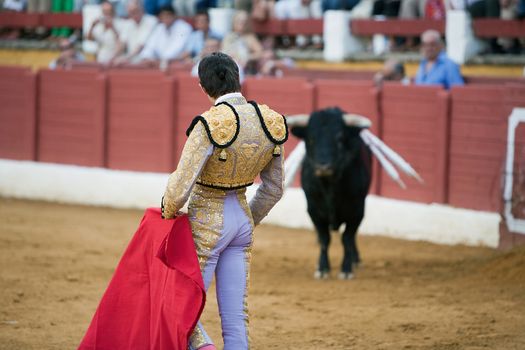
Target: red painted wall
x=137, y=120
x=415, y=124
x=287, y=96
x=18, y=91
x=141, y=123
x=477, y=146
x=72, y=118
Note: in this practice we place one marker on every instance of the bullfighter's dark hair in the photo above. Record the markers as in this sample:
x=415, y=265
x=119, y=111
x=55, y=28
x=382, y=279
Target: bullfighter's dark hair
x=219, y=74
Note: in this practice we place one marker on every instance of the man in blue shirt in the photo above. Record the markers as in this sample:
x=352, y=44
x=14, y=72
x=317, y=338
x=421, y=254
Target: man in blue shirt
x=436, y=68
x=201, y=33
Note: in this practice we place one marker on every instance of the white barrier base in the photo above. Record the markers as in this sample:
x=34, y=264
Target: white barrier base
x=126, y=189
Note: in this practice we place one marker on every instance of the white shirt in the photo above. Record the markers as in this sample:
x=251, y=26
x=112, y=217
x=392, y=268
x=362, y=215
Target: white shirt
x=136, y=34
x=227, y=96
x=107, y=40
x=167, y=43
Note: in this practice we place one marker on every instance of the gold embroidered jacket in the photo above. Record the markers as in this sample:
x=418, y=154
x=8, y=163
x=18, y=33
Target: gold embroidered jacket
x=227, y=148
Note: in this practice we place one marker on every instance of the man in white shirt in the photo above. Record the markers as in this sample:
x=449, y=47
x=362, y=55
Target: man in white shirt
x=138, y=28
x=168, y=41
x=106, y=31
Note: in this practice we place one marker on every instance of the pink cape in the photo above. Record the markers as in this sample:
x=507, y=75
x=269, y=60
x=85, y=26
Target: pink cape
x=156, y=295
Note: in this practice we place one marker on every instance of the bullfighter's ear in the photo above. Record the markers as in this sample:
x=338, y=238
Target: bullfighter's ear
x=299, y=131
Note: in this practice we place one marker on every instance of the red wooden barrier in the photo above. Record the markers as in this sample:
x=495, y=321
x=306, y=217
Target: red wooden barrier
x=190, y=102
x=304, y=27
x=490, y=28
x=353, y=97
x=72, y=117
x=269, y=27
x=477, y=147
x=12, y=19
x=412, y=27
x=17, y=113
x=315, y=74
x=148, y=114
x=140, y=121
x=71, y=20
x=286, y=96
x=415, y=124
x=469, y=80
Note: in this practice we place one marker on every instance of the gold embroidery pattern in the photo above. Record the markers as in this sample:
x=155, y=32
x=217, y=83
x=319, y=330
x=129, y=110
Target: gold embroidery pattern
x=246, y=157
x=274, y=122
x=205, y=212
x=222, y=123
x=194, y=155
x=247, y=260
x=197, y=338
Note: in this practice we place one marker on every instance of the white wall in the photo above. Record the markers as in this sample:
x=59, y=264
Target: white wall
x=126, y=189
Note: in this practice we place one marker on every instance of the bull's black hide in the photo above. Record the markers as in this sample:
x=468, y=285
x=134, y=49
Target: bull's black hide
x=336, y=175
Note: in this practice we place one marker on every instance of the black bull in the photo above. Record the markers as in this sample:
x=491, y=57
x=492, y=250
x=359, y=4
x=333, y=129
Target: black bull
x=336, y=175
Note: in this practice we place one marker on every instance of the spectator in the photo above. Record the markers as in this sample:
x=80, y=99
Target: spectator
x=260, y=10
x=393, y=70
x=211, y=45
x=137, y=30
x=168, y=40
x=68, y=55
x=269, y=64
x=201, y=33
x=242, y=44
x=436, y=67
x=106, y=32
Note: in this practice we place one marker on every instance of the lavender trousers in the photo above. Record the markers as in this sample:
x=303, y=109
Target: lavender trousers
x=230, y=260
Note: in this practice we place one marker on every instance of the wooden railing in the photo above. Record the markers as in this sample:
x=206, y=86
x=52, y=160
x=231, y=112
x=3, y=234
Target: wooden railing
x=483, y=28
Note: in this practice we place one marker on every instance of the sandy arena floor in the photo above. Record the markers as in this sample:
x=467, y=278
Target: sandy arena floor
x=56, y=260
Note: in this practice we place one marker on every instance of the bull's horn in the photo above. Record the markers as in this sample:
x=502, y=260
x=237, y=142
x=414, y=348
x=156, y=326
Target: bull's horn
x=357, y=120
x=297, y=120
